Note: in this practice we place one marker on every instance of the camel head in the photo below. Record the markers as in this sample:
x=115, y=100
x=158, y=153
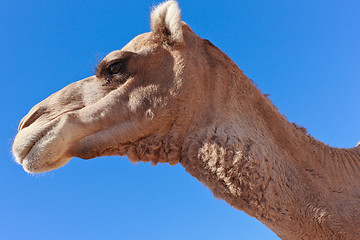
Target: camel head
x=139, y=102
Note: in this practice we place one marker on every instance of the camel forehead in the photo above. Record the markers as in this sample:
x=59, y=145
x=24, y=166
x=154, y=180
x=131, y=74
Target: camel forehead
x=141, y=43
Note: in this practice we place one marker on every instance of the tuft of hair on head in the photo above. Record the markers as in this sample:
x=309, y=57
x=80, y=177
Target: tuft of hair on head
x=166, y=22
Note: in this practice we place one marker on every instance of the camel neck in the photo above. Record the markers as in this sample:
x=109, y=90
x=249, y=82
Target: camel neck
x=243, y=172
x=254, y=159
x=251, y=172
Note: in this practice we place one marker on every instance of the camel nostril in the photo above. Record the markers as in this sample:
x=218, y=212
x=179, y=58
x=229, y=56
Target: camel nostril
x=34, y=114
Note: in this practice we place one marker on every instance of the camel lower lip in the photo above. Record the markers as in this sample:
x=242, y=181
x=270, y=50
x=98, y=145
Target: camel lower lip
x=43, y=167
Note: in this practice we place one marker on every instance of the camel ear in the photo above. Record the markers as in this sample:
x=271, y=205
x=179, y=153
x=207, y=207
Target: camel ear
x=166, y=22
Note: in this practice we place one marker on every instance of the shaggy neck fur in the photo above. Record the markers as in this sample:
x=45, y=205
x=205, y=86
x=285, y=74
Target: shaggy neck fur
x=258, y=162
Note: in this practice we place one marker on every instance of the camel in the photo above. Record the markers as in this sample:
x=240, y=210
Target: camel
x=169, y=96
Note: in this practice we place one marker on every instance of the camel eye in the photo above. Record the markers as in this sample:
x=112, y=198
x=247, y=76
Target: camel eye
x=115, y=68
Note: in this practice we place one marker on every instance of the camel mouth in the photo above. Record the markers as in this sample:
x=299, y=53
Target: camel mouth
x=32, y=148
x=29, y=146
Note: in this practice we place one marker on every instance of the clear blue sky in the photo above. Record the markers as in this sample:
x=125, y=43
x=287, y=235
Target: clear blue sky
x=305, y=54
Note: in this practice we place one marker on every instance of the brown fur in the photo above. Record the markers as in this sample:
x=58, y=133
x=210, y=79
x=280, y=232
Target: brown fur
x=188, y=102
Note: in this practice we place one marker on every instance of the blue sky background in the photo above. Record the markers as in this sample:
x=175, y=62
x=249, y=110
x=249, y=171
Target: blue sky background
x=305, y=54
